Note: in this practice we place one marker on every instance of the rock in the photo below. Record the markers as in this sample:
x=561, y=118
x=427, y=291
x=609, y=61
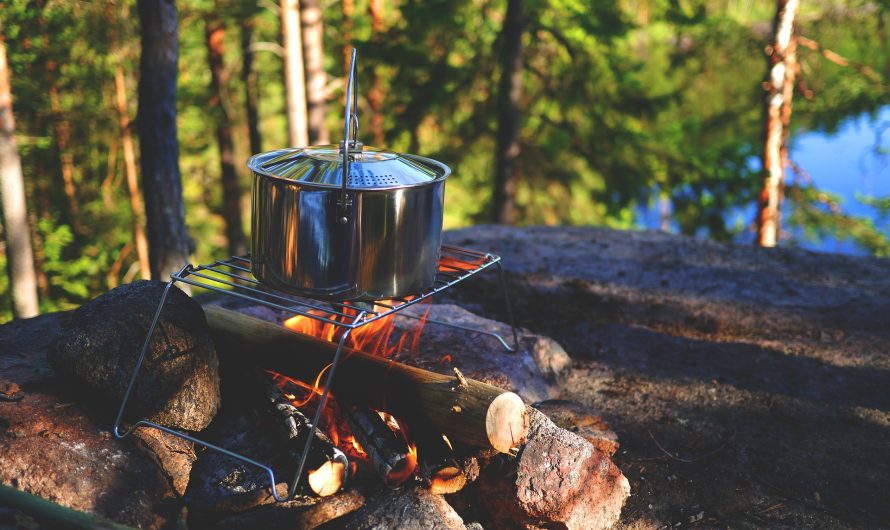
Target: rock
x=53, y=447
x=173, y=454
x=575, y=417
x=558, y=480
x=406, y=508
x=534, y=371
x=178, y=385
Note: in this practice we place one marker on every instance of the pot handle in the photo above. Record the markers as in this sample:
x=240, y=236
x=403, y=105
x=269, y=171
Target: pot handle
x=350, y=125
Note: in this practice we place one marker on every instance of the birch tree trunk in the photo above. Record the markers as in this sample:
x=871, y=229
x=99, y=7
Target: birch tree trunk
x=295, y=84
x=312, y=31
x=19, y=254
x=375, y=94
x=231, y=210
x=249, y=77
x=169, y=244
x=779, y=85
x=136, y=206
x=506, y=171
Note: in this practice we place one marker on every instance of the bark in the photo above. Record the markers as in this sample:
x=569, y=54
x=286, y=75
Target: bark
x=779, y=85
x=439, y=469
x=506, y=171
x=388, y=452
x=168, y=240
x=249, y=77
x=465, y=410
x=136, y=206
x=17, y=233
x=326, y=466
x=231, y=208
x=312, y=31
x=375, y=94
x=63, y=142
x=294, y=81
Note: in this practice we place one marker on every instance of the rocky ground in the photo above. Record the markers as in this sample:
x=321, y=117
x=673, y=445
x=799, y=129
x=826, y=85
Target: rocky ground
x=748, y=387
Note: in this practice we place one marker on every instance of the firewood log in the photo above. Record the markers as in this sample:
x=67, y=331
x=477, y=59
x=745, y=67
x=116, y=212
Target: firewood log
x=439, y=469
x=389, y=453
x=326, y=466
x=465, y=410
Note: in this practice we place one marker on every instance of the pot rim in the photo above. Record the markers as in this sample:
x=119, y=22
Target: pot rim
x=254, y=165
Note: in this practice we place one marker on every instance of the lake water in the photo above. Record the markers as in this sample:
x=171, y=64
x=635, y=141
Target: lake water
x=852, y=162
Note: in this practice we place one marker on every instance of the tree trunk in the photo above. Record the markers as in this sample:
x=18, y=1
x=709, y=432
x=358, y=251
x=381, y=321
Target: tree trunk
x=251, y=98
x=168, y=240
x=231, y=209
x=136, y=206
x=779, y=85
x=63, y=142
x=348, y=9
x=19, y=255
x=506, y=171
x=375, y=94
x=316, y=80
x=295, y=85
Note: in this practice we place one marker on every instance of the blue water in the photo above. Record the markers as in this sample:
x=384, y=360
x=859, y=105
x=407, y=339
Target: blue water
x=850, y=163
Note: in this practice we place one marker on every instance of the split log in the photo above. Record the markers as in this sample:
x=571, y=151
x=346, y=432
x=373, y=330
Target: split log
x=439, y=469
x=465, y=410
x=389, y=453
x=326, y=466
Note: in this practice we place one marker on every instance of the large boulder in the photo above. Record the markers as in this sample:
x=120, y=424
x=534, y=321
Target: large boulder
x=53, y=446
x=178, y=384
x=558, y=480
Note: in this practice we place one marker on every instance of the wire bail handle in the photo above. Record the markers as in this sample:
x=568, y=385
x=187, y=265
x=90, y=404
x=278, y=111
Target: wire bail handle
x=350, y=141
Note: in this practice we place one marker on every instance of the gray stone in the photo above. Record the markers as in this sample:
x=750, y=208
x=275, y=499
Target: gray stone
x=178, y=384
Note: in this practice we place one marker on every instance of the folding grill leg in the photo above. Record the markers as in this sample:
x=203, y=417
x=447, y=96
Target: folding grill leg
x=321, y=404
x=509, y=307
x=146, y=423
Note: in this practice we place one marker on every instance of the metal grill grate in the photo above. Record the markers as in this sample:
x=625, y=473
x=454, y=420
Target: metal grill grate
x=232, y=277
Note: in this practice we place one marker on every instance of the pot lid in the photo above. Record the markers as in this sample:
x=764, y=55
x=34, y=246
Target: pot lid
x=369, y=167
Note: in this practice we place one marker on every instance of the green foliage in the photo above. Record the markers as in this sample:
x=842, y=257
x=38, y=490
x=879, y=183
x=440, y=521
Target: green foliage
x=623, y=102
x=818, y=215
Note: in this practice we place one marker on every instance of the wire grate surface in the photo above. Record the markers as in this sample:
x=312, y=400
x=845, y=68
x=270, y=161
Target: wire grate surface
x=233, y=278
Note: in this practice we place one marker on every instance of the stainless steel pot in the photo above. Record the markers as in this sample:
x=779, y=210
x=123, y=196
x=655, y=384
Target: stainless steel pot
x=346, y=222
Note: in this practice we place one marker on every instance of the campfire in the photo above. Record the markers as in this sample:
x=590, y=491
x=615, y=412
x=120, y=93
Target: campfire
x=381, y=417
x=372, y=439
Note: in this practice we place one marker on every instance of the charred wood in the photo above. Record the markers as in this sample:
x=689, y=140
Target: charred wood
x=326, y=466
x=439, y=468
x=389, y=453
x=476, y=414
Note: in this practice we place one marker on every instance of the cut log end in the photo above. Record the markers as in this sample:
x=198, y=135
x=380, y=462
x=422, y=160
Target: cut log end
x=506, y=422
x=329, y=478
x=403, y=469
x=446, y=480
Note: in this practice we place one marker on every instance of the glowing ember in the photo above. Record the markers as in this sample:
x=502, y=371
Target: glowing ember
x=375, y=338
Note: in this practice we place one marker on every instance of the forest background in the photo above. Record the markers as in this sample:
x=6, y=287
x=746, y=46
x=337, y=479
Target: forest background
x=623, y=106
